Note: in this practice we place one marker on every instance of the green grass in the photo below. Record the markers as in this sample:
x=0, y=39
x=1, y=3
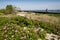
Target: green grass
x=56, y=15
x=13, y=29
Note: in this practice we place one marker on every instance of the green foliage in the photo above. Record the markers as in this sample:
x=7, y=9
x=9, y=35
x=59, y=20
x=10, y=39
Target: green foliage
x=56, y=15
x=22, y=21
x=42, y=34
x=2, y=11
x=13, y=29
x=8, y=10
x=10, y=30
x=53, y=28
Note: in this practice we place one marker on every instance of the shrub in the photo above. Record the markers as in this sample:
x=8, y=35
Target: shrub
x=2, y=11
x=8, y=10
x=13, y=29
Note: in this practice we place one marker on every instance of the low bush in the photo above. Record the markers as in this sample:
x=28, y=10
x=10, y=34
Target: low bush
x=13, y=29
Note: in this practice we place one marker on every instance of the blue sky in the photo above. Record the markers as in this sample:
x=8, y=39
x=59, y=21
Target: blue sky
x=32, y=4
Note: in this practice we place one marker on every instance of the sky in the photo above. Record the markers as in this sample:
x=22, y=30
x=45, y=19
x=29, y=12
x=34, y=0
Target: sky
x=32, y=4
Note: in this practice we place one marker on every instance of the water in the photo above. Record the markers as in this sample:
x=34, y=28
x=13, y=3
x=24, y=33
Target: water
x=54, y=11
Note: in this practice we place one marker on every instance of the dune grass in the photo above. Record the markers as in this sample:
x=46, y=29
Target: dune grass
x=21, y=28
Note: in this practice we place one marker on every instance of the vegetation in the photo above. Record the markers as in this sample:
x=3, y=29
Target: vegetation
x=56, y=15
x=13, y=29
x=2, y=11
x=8, y=10
x=21, y=28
